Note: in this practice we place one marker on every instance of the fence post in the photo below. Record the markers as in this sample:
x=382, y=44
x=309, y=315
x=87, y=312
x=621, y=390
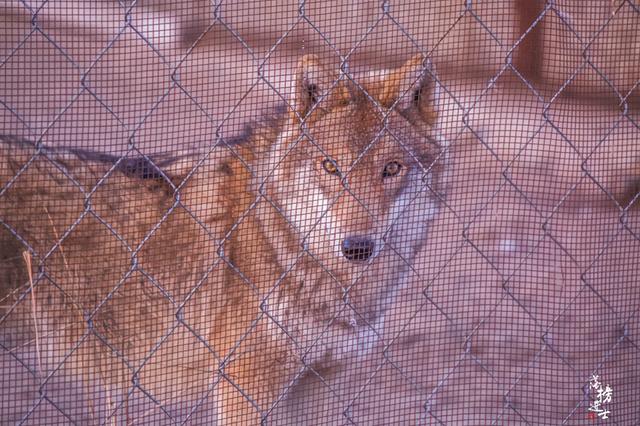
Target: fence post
x=528, y=59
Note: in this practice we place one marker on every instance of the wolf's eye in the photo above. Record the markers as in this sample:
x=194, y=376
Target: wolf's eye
x=391, y=169
x=330, y=167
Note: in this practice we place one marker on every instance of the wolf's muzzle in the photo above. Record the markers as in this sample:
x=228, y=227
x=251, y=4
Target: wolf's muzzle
x=357, y=248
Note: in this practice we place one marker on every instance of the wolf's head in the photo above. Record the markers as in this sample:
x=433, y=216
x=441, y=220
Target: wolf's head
x=356, y=174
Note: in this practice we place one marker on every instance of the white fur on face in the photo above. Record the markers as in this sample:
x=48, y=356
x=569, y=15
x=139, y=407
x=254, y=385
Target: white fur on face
x=411, y=211
x=309, y=209
x=404, y=233
x=302, y=201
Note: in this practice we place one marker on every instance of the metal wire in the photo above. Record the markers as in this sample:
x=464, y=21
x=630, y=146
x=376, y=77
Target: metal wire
x=525, y=289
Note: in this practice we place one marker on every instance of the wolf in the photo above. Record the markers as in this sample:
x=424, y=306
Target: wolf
x=265, y=256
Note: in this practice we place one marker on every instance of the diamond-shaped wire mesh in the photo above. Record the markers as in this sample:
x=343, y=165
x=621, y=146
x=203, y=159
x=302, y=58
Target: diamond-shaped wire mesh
x=308, y=212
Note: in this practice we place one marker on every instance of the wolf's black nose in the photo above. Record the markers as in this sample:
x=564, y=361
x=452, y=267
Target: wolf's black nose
x=357, y=248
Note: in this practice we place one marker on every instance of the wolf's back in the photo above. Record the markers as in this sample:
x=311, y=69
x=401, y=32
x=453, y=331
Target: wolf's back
x=115, y=252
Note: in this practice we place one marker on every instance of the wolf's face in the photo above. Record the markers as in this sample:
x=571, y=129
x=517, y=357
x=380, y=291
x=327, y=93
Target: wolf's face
x=364, y=174
x=358, y=176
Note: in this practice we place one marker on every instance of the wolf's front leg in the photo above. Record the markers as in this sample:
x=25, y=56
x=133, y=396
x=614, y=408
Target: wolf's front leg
x=256, y=375
x=240, y=405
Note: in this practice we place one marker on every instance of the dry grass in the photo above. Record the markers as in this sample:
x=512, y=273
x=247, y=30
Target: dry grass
x=34, y=309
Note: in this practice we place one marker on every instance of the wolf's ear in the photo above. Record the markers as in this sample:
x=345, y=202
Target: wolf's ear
x=312, y=82
x=413, y=86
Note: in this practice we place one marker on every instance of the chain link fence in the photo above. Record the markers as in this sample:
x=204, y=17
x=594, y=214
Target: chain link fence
x=319, y=212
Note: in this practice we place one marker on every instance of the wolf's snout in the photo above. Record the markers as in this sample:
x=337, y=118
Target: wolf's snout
x=357, y=248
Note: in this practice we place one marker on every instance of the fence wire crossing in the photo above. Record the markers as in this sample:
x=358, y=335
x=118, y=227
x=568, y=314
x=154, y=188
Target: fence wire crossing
x=319, y=212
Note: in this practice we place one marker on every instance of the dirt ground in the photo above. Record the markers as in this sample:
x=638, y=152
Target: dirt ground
x=527, y=286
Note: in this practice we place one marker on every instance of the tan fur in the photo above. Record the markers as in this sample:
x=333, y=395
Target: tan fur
x=274, y=293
